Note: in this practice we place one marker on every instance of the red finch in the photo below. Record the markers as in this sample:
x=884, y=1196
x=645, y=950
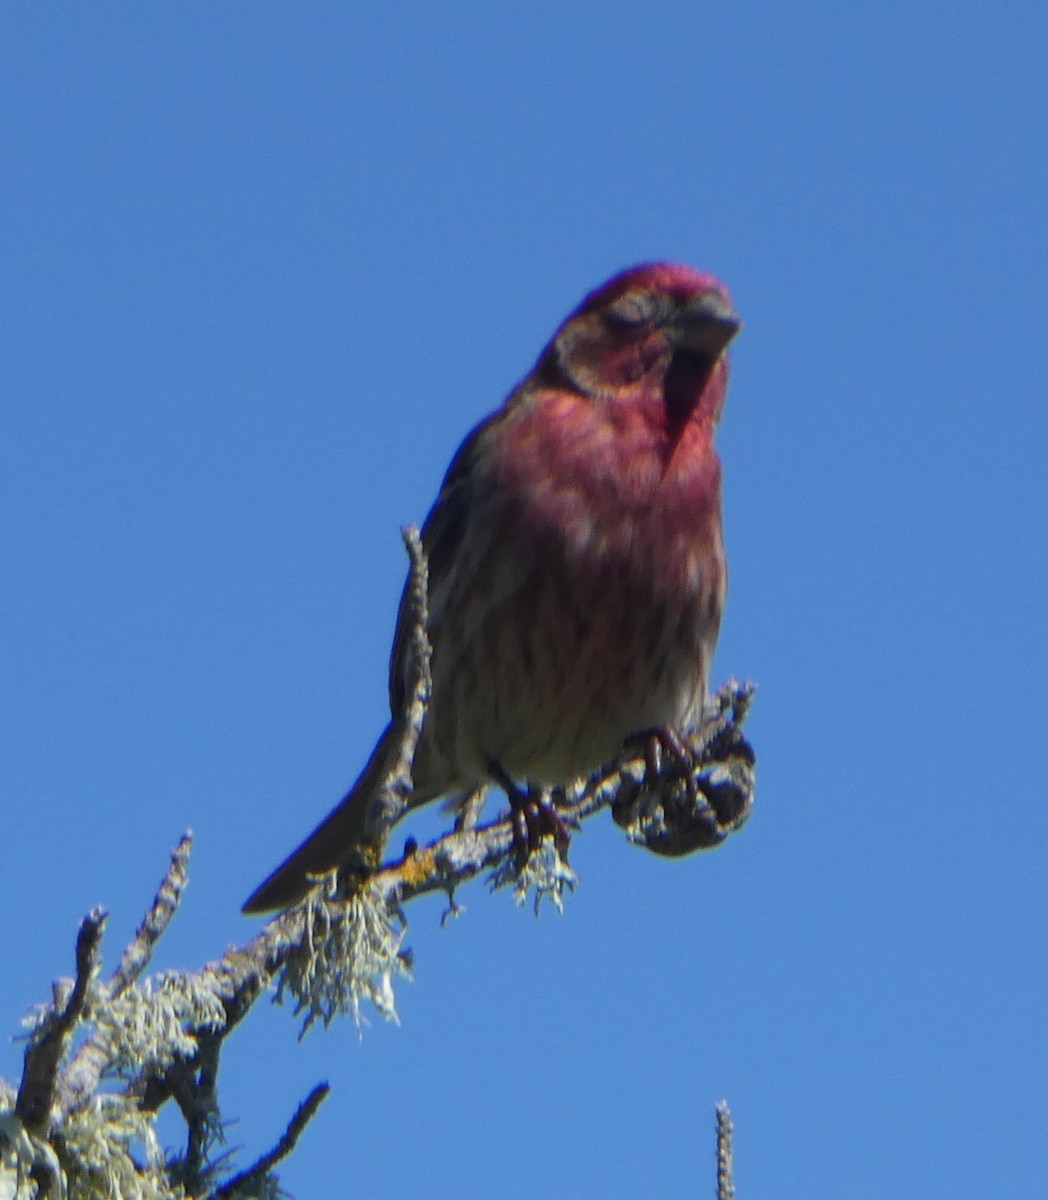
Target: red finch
x=576, y=563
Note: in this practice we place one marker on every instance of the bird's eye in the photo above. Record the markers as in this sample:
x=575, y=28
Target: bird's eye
x=630, y=310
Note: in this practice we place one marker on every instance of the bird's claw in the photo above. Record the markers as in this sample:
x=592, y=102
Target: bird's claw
x=666, y=743
x=673, y=813
x=534, y=816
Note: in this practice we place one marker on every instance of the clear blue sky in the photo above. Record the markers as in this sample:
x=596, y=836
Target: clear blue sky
x=262, y=267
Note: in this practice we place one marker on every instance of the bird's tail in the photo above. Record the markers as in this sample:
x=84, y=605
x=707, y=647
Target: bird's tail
x=333, y=840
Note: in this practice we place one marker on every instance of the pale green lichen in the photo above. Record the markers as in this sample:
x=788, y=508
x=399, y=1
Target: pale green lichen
x=148, y=1027
x=350, y=953
x=110, y=1151
x=21, y=1154
x=106, y=1151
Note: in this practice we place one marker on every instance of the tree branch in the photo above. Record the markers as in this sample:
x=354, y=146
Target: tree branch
x=165, y=904
x=79, y=1080
x=36, y=1094
x=391, y=801
x=725, y=1169
x=247, y=1182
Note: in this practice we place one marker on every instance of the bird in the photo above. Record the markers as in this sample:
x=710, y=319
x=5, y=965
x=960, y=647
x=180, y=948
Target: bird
x=577, y=573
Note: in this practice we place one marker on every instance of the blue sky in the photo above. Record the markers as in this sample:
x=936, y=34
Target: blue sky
x=263, y=267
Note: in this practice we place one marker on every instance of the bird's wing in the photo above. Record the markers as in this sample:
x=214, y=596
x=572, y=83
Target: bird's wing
x=442, y=535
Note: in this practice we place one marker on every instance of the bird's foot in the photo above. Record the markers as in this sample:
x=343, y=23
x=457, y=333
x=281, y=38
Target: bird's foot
x=695, y=789
x=534, y=815
x=666, y=747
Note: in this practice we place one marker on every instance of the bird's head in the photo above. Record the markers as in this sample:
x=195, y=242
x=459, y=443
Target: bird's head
x=657, y=331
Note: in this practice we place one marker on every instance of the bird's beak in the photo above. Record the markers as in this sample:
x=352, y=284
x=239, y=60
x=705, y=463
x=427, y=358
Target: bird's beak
x=704, y=326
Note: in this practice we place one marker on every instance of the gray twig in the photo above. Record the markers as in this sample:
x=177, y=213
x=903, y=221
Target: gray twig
x=725, y=1172
x=79, y=1081
x=392, y=797
x=248, y=1182
x=165, y=904
x=36, y=1095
